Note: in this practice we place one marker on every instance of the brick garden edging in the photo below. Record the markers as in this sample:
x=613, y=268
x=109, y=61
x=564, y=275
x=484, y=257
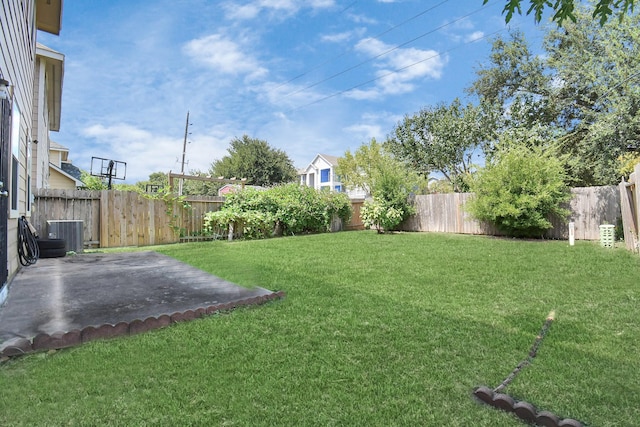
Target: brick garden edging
x=58, y=340
x=523, y=410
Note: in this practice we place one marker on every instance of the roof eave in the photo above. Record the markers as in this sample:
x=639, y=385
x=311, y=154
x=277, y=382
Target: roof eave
x=54, y=63
x=49, y=16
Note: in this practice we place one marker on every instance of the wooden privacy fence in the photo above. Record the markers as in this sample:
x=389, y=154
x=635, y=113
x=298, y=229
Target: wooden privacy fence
x=590, y=207
x=124, y=218
x=120, y=218
x=630, y=206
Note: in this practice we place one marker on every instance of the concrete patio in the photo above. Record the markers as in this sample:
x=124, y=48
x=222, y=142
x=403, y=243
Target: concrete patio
x=60, y=302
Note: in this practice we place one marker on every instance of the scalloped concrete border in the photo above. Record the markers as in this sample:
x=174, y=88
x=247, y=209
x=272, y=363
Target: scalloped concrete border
x=58, y=340
x=523, y=410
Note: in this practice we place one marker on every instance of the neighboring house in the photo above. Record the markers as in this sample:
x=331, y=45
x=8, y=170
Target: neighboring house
x=232, y=188
x=19, y=20
x=320, y=174
x=62, y=173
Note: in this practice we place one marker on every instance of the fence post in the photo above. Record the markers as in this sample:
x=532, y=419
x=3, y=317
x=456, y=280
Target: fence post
x=629, y=211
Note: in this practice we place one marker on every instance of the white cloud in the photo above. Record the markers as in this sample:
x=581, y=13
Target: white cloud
x=344, y=36
x=224, y=55
x=476, y=35
x=398, y=69
x=145, y=152
x=277, y=8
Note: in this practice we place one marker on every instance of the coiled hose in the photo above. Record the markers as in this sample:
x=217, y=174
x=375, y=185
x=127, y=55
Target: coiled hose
x=28, y=249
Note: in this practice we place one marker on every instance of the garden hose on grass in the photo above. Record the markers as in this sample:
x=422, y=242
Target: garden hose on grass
x=524, y=410
x=28, y=249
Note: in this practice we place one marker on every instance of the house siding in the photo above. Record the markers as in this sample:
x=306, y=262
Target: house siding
x=17, y=65
x=60, y=181
x=17, y=20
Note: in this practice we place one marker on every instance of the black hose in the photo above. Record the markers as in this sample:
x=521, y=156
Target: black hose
x=28, y=249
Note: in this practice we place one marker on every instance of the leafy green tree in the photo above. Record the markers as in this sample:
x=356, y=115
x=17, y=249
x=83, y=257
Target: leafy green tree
x=389, y=181
x=192, y=187
x=442, y=139
x=255, y=160
x=585, y=87
x=516, y=84
x=596, y=73
x=627, y=164
x=565, y=9
x=520, y=188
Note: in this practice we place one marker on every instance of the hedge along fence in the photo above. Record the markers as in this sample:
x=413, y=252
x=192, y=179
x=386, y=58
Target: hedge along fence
x=590, y=207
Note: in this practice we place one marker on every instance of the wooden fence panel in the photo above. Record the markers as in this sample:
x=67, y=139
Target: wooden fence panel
x=630, y=206
x=355, y=223
x=589, y=207
x=53, y=204
x=445, y=213
x=192, y=218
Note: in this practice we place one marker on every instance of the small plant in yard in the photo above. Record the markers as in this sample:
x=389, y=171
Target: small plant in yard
x=386, y=179
x=381, y=216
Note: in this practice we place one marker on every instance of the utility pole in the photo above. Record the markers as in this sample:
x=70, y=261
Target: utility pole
x=184, y=153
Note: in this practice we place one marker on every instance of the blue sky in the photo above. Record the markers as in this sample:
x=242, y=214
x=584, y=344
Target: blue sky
x=313, y=76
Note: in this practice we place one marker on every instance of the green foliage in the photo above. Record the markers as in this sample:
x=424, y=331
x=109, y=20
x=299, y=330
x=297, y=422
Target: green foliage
x=389, y=181
x=565, y=9
x=442, y=139
x=585, y=85
x=380, y=215
x=254, y=224
x=519, y=190
x=92, y=182
x=627, y=163
x=255, y=160
x=281, y=210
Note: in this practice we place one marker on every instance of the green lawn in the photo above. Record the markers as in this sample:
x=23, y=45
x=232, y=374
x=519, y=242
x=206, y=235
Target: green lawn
x=376, y=330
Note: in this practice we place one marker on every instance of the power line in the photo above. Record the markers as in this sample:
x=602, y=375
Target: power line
x=330, y=60
x=394, y=71
x=349, y=6
x=385, y=52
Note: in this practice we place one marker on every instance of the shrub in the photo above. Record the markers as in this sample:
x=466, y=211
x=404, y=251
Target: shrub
x=285, y=209
x=519, y=190
x=380, y=216
x=253, y=224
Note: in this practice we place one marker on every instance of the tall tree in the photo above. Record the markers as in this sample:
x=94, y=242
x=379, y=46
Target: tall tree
x=255, y=160
x=586, y=85
x=565, y=9
x=442, y=139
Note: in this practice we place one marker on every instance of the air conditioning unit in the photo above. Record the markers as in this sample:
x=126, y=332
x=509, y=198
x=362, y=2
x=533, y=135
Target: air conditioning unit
x=72, y=231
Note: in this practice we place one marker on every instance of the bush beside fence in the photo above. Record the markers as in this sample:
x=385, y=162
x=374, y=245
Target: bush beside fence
x=589, y=206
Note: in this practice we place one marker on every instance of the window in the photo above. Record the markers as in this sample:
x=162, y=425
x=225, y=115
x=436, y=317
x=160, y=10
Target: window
x=324, y=175
x=338, y=188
